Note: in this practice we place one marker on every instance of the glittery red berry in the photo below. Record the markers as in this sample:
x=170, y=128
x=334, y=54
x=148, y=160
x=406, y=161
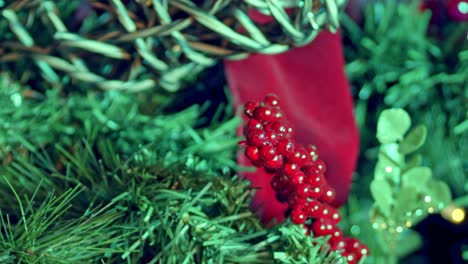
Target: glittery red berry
x=275, y=163
x=263, y=114
x=285, y=147
x=299, y=156
x=312, y=151
x=322, y=228
x=277, y=114
x=352, y=244
x=278, y=182
x=321, y=166
x=253, y=125
x=290, y=168
x=310, y=170
x=303, y=157
x=297, y=178
x=315, y=209
x=311, y=208
x=325, y=212
x=249, y=108
x=297, y=202
x=298, y=217
x=298, y=174
x=257, y=138
x=282, y=128
x=328, y=195
x=355, y=246
x=334, y=215
x=268, y=126
x=267, y=152
x=315, y=192
x=271, y=100
x=303, y=190
x=272, y=137
x=337, y=243
x=289, y=132
x=363, y=251
x=251, y=153
x=336, y=233
x=279, y=127
x=315, y=180
x=350, y=257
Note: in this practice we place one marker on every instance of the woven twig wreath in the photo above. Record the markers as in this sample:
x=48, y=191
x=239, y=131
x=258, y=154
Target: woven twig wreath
x=142, y=44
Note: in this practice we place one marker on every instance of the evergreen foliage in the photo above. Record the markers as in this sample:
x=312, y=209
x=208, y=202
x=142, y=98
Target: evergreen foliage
x=401, y=57
x=112, y=178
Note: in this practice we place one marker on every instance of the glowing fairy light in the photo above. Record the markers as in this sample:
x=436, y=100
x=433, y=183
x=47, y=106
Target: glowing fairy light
x=458, y=215
x=427, y=199
x=454, y=214
x=463, y=7
x=408, y=224
x=389, y=169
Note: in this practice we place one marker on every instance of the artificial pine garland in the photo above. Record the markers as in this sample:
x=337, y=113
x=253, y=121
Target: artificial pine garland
x=107, y=177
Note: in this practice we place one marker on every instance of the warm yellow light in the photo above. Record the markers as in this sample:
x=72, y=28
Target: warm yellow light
x=454, y=214
x=408, y=224
x=458, y=215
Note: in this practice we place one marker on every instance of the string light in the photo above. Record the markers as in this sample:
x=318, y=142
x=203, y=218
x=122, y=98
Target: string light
x=408, y=224
x=427, y=199
x=463, y=7
x=458, y=215
x=388, y=169
x=454, y=214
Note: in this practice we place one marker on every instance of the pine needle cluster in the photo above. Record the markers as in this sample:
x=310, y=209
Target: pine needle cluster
x=115, y=178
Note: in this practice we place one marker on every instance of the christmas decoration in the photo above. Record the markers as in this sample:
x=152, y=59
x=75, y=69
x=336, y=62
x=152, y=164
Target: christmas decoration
x=105, y=176
x=454, y=214
x=458, y=9
x=123, y=172
x=443, y=12
x=298, y=174
x=138, y=45
x=312, y=81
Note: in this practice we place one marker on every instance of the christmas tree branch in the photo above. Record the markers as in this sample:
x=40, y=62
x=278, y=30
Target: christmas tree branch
x=149, y=186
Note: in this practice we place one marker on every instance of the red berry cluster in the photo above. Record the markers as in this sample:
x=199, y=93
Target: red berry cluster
x=298, y=175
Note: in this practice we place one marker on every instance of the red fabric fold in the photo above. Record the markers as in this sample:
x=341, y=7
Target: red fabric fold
x=315, y=95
